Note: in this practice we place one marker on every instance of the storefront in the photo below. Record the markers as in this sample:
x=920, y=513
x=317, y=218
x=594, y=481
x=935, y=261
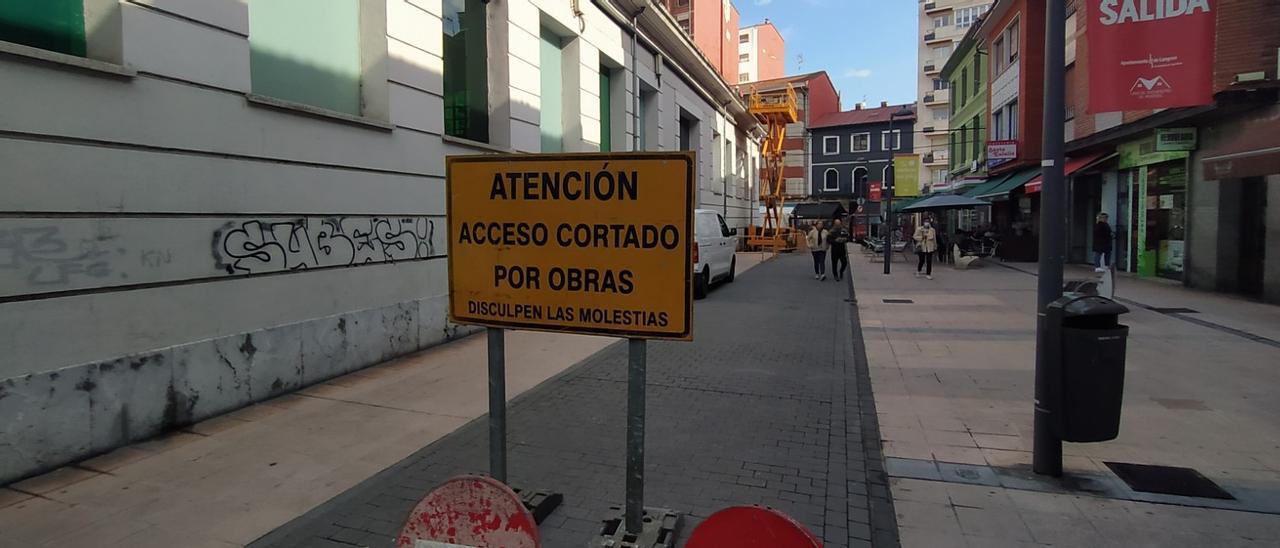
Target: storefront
x=1151, y=207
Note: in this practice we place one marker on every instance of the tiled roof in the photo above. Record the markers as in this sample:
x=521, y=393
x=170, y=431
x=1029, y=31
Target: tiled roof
x=862, y=116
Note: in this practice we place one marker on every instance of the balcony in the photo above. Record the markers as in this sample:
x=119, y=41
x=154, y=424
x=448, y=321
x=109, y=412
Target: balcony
x=937, y=98
x=940, y=36
x=936, y=159
x=932, y=68
x=935, y=131
x=933, y=7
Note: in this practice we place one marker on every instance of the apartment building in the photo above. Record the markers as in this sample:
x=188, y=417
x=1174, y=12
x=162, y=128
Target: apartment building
x=713, y=24
x=210, y=204
x=942, y=24
x=762, y=53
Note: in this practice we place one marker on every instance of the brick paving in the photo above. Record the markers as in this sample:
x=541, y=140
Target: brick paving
x=769, y=405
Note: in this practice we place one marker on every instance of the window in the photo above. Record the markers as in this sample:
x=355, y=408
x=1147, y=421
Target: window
x=551, y=57
x=1069, y=55
x=997, y=125
x=682, y=3
x=885, y=143
x=940, y=55
x=964, y=75
x=861, y=186
x=940, y=84
x=744, y=77
x=312, y=59
x=1011, y=114
x=974, y=138
x=744, y=38
x=831, y=180
x=941, y=115
x=466, y=86
x=942, y=21
x=606, y=114
x=648, y=117
x=685, y=26
x=966, y=17
x=830, y=145
x=977, y=75
x=951, y=145
x=744, y=57
x=939, y=176
x=860, y=142
x=54, y=25
x=1005, y=48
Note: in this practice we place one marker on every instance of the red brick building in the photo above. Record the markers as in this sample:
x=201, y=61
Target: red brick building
x=1193, y=193
x=817, y=97
x=713, y=26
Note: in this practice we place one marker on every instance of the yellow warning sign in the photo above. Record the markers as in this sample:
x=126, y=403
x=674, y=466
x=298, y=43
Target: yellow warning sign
x=585, y=243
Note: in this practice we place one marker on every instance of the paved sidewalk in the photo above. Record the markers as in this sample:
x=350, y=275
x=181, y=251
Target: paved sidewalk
x=952, y=373
x=762, y=408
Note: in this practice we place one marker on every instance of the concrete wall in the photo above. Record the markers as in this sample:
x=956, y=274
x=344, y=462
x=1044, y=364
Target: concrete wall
x=172, y=247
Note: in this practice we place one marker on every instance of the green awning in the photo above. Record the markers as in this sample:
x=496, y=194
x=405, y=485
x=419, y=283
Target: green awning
x=980, y=188
x=1013, y=182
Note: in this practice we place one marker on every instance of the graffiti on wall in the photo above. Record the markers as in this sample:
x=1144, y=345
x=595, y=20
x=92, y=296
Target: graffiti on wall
x=51, y=255
x=258, y=246
x=43, y=256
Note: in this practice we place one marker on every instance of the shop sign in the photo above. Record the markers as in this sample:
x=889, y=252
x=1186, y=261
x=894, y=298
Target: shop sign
x=875, y=191
x=999, y=152
x=1143, y=152
x=1175, y=139
x=1150, y=54
x=579, y=243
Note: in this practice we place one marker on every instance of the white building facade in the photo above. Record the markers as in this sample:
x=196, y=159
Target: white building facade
x=212, y=203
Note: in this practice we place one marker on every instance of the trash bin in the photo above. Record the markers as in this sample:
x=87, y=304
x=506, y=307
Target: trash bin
x=1091, y=368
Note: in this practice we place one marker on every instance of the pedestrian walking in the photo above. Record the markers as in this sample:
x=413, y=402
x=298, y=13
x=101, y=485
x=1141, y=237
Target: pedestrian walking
x=838, y=239
x=1102, y=238
x=926, y=238
x=817, y=240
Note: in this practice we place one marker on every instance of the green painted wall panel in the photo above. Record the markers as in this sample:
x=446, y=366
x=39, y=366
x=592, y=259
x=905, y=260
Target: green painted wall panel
x=55, y=25
x=552, y=72
x=306, y=51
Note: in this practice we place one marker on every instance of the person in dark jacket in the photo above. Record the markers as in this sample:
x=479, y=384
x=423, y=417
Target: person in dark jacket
x=1102, y=238
x=838, y=238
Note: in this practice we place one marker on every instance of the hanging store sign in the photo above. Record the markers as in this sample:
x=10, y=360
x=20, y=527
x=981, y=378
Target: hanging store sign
x=1150, y=54
x=1175, y=139
x=999, y=152
x=583, y=243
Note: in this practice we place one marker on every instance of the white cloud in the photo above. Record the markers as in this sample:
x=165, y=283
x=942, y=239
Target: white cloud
x=857, y=73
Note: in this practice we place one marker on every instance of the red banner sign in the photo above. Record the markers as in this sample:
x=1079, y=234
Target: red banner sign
x=1149, y=54
x=875, y=191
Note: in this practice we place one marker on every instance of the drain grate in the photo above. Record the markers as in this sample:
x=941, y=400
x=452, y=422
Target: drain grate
x=1168, y=480
x=898, y=301
x=1174, y=310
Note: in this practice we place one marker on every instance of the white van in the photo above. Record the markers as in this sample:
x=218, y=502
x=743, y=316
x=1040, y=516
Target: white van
x=714, y=251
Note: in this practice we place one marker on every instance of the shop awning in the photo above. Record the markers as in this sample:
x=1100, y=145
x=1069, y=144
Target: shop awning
x=899, y=203
x=977, y=190
x=1253, y=151
x=1073, y=165
x=824, y=210
x=1009, y=184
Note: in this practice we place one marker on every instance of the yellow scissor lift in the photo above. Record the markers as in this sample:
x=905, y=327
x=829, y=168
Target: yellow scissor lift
x=775, y=109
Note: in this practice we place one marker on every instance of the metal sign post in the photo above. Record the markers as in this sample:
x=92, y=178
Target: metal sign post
x=635, y=435
x=497, y=405
x=525, y=240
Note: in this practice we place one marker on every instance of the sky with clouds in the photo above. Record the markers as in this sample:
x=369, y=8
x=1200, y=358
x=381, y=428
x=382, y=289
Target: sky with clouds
x=867, y=46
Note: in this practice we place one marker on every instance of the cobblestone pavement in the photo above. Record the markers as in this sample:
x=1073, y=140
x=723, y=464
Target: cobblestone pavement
x=769, y=405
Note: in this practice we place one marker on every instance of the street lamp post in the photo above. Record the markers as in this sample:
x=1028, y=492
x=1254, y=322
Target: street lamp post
x=887, y=192
x=1046, y=457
